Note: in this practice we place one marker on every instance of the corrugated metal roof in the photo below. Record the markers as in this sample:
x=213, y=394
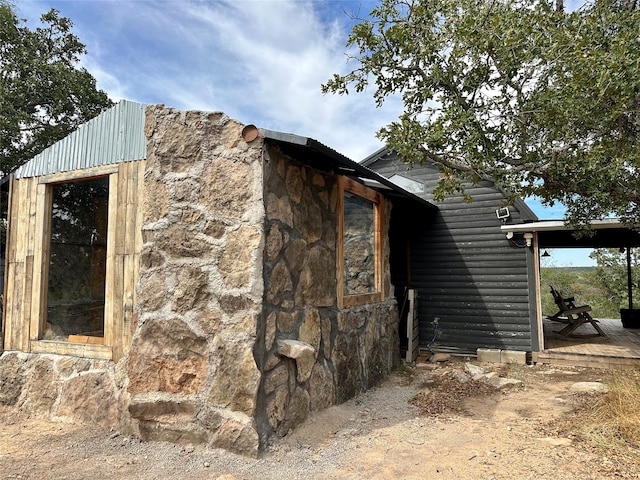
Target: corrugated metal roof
x=322, y=157
x=114, y=136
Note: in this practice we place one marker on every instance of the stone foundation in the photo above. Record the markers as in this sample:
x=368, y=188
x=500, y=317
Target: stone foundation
x=61, y=387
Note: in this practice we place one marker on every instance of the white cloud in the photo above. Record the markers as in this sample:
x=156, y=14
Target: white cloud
x=260, y=62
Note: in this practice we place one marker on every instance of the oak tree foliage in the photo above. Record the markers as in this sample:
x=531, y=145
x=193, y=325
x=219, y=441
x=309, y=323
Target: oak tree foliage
x=542, y=100
x=45, y=93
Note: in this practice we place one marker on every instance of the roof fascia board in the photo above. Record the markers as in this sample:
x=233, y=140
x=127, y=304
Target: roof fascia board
x=558, y=225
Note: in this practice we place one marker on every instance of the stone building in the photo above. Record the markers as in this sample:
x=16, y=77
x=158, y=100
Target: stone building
x=181, y=277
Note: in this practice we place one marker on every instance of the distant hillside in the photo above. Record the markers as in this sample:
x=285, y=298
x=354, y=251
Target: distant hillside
x=580, y=283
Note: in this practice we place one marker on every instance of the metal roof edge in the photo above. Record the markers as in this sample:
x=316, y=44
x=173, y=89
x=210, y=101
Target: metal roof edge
x=349, y=167
x=555, y=225
x=113, y=136
x=374, y=157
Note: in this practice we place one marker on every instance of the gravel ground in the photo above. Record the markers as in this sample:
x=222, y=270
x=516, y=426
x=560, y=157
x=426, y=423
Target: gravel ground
x=386, y=432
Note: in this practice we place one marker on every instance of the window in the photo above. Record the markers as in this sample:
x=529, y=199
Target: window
x=77, y=261
x=359, y=244
x=408, y=184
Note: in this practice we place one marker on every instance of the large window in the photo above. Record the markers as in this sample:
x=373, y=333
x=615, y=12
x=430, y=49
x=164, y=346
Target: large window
x=359, y=244
x=77, y=261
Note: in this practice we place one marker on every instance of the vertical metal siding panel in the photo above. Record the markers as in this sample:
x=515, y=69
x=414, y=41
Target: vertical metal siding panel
x=114, y=136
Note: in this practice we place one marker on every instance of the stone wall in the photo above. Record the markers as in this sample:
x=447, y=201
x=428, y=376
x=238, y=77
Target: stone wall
x=62, y=387
x=238, y=335
x=191, y=372
x=313, y=354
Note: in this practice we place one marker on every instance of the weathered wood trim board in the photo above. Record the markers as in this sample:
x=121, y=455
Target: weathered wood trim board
x=27, y=261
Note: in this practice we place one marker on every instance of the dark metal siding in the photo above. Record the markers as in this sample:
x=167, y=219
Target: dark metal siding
x=467, y=273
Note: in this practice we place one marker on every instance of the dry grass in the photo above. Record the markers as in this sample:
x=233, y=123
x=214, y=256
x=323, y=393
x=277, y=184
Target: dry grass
x=613, y=420
x=610, y=422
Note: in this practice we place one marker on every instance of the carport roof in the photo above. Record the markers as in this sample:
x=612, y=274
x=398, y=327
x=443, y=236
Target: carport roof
x=607, y=233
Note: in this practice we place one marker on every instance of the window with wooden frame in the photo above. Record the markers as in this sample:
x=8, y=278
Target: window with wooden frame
x=360, y=244
x=76, y=269
x=69, y=307
x=73, y=246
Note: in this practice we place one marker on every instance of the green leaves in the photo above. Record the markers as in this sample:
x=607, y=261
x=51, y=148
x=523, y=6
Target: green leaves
x=546, y=102
x=44, y=93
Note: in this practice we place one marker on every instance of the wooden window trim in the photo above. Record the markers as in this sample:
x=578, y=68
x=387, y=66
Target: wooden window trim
x=355, y=188
x=41, y=275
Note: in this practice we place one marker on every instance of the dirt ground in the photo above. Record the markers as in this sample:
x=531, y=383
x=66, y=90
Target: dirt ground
x=501, y=434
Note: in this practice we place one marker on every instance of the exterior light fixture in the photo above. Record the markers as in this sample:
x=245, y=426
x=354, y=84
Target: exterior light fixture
x=528, y=237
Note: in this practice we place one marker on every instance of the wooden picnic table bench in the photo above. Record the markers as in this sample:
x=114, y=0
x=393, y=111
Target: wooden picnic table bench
x=572, y=315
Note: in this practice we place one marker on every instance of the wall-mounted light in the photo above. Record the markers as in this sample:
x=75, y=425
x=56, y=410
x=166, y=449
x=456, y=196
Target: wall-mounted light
x=546, y=254
x=528, y=237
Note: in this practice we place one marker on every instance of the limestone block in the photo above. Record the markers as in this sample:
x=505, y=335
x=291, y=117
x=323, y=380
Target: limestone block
x=294, y=183
x=184, y=190
x=12, y=378
x=270, y=331
x=90, y=398
x=231, y=134
x=150, y=119
x=67, y=366
x=307, y=219
x=167, y=356
x=310, y=329
x=162, y=410
x=295, y=349
x=326, y=337
x=512, y=356
x=237, y=260
x=225, y=188
x=215, y=228
x=297, y=410
x=177, y=146
x=180, y=433
x=304, y=366
x=178, y=242
x=318, y=180
x=41, y=388
x=236, y=303
x=237, y=378
x=278, y=282
x=191, y=216
x=279, y=209
x=155, y=201
x=317, y=284
x=347, y=369
x=295, y=254
x=151, y=258
x=589, y=387
x=209, y=321
x=153, y=292
x=192, y=291
x=276, y=378
x=210, y=417
x=274, y=242
x=277, y=408
x=237, y=437
x=287, y=321
x=321, y=387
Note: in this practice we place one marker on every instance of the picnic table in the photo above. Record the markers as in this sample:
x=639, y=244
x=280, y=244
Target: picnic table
x=572, y=315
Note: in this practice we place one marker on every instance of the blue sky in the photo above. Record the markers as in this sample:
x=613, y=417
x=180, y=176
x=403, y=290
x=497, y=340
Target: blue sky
x=258, y=61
